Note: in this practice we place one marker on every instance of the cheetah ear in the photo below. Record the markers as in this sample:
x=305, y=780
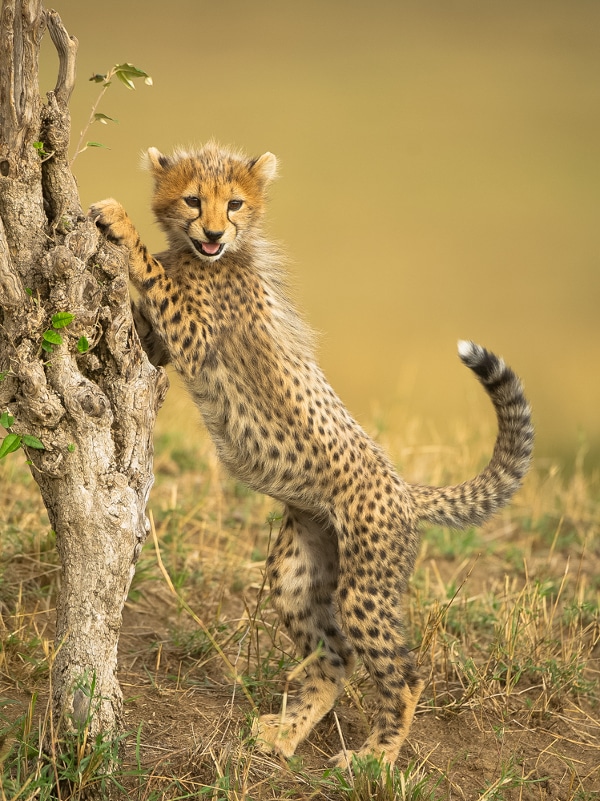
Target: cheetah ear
x=154, y=161
x=264, y=167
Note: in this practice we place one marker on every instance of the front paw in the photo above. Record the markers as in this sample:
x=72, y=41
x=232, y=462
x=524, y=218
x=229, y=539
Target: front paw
x=111, y=218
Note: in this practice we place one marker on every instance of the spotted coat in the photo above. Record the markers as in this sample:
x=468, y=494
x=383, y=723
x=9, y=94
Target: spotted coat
x=215, y=304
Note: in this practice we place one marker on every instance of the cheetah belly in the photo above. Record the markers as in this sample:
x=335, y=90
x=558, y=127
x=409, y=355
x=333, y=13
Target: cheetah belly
x=284, y=456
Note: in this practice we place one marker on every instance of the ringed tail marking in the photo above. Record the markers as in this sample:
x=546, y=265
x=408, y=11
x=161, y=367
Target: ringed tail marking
x=475, y=501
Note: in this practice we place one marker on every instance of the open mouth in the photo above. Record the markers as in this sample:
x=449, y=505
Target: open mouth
x=208, y=248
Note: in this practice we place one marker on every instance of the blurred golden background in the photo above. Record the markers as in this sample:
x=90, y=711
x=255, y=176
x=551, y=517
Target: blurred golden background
x=440, y=175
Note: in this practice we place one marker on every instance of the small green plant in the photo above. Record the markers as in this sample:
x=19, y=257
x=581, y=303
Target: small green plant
x=12, y=442
x=51, y=337
x=126, y=74
x=511, y=777
x=64, y=768
x=39, y=146
x=371, y=780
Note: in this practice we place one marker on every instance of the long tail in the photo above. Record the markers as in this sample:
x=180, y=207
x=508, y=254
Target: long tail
x=474, y=501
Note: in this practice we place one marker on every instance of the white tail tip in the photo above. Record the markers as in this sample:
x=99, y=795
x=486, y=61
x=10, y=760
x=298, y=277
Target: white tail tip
x=466, y=348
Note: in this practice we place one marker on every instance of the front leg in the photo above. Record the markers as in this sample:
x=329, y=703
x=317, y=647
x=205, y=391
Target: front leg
x=112, y=219
x=178, y=339
x=151, y=342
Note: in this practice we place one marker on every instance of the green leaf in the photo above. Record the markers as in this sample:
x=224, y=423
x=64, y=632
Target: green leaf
x=71, y=447
x=95, y=144
x=83, y=345
x=97, y=78
x=127, y=72
x=104, y=118
x=10, y=443
x=131, y=70
x=52, y=336
x=29, y=291
x=33, y=442
x=125, y=80
x=47, y=347
x=6, y=419
x=62, y=319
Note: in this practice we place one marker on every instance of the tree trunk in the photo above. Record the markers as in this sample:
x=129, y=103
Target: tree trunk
x=94, y=411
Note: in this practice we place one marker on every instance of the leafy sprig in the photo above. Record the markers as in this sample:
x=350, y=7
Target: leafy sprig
x=51, y=337
x=12, y=442
x=126, y=74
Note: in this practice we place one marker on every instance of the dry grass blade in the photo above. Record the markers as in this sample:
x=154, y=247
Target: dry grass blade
x=184, y=604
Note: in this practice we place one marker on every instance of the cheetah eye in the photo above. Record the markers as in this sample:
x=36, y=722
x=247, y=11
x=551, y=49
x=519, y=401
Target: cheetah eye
x=192, y=201
x=235, y=205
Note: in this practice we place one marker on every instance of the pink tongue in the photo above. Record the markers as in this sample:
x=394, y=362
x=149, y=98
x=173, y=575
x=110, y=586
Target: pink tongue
x=210, y=247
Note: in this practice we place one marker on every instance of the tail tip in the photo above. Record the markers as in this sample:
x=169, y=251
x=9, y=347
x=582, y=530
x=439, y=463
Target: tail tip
x=469, y=352
x=483, y=362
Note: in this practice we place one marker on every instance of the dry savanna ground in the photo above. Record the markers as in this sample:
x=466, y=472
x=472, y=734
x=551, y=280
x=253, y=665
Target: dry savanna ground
x=504, y=622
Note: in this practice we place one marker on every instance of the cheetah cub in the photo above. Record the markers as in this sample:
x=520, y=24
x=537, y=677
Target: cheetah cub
x=214, y=304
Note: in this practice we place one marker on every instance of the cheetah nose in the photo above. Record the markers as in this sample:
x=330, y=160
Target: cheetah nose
x=213, y=236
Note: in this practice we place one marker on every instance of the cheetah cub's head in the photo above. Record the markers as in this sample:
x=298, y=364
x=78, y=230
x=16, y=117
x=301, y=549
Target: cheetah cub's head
x=209, y=201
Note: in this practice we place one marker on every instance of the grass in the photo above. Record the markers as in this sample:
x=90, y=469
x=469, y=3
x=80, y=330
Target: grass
x=504, y=621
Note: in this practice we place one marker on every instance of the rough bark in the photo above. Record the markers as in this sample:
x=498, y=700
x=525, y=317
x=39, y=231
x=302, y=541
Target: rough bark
x=94, y=412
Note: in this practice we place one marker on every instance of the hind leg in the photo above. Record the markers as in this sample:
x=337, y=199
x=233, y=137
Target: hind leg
x=370, y=612
x=302, y=570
